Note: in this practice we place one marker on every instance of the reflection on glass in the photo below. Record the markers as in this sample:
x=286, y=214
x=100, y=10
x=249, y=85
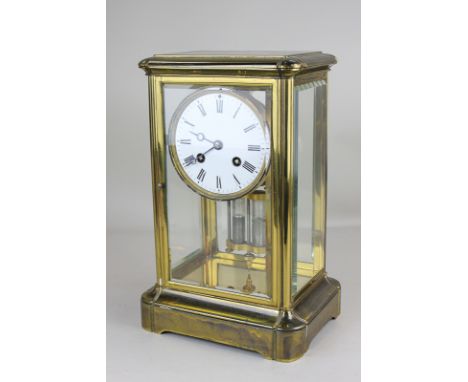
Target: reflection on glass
x=238, y=212
x=258, y=238
x=309, y=175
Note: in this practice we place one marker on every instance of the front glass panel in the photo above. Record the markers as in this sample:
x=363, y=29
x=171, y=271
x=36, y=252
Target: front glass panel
x=310, y=181
x=218, y=189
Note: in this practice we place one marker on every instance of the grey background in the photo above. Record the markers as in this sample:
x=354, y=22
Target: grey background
x=137, y=29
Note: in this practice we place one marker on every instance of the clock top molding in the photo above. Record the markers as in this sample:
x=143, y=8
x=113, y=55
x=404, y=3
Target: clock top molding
x=284, y=63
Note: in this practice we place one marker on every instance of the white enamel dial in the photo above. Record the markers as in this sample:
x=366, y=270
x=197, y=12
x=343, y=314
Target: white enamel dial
x=220, y=143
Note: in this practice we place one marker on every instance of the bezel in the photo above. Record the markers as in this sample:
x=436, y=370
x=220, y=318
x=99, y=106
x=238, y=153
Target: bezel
x=259, y=111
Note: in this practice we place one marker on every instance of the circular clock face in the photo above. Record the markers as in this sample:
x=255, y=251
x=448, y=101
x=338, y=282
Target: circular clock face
x=219, y=143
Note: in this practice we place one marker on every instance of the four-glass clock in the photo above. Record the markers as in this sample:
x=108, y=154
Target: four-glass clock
x=238, y=159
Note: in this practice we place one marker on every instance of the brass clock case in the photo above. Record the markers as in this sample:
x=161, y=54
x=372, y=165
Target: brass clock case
x=281, y=324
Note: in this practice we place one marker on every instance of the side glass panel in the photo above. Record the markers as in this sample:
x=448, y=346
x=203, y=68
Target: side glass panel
x=310, y=182
x=223, y=245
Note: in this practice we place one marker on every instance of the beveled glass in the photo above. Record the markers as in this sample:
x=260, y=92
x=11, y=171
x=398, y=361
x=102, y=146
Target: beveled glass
x=309, y=182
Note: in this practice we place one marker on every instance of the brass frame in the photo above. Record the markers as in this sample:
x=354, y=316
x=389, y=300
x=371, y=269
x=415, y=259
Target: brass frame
x=225, y=258
x=158, y=135
x=280, y=327
x=276, y=334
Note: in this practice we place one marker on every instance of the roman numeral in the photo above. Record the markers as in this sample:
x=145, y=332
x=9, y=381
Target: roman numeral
x=218, y=182
x=186, y=141
x=248, y=128
x=235, y=114
x=237, y=180
x=248, y=166
x=219, y=105
x=189, y=160
x=188, y=123
x=254, y=147
x=201, y=175
x=202, y=109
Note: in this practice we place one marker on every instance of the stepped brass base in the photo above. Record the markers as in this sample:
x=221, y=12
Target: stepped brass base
x=274, y=334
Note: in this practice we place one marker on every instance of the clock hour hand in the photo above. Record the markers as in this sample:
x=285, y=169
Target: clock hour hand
x=218, y=145
x=207, y=151
x=201, y=157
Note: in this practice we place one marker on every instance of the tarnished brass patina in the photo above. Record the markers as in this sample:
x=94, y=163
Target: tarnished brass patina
x=275, y=318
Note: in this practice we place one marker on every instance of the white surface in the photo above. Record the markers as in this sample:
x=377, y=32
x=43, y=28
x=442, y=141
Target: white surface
x=202, y=130
x=136, y=355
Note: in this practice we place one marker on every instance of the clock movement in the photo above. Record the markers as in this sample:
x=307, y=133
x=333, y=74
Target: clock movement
x=239, y=168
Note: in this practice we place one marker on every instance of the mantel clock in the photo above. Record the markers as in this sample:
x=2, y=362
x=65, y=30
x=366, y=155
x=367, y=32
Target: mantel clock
x=238, y=154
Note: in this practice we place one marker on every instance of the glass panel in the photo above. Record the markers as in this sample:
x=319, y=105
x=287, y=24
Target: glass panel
x=309, y=177
x=221, y=244
x=242, y=242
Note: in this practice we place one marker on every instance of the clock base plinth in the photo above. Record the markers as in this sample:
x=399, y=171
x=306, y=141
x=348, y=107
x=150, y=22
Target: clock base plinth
x=274, y=334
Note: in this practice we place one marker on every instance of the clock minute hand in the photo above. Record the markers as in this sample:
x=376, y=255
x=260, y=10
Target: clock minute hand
x=201, y=137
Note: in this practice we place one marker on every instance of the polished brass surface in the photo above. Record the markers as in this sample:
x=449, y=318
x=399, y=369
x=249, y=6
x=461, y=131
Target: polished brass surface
x=249, y=287
x=274, y=333
x=243, y=247
x=320, y=181
x=159, y=183
x=257, y=195
x=256, y=309
x=243, y=63
x=208, y=208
